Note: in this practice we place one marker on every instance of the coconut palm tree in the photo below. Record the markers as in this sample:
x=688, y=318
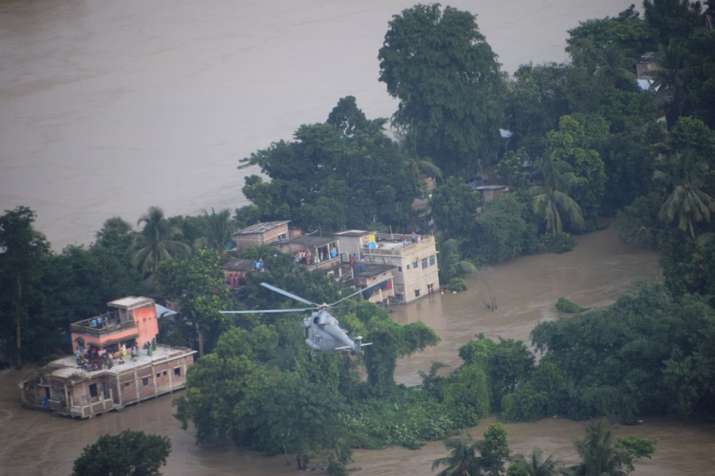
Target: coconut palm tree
x=155, y=243
x=536, y=465
x=687, y=204
x=463, y=458
x=218, y=229
x=551, y=204
x=601, y=453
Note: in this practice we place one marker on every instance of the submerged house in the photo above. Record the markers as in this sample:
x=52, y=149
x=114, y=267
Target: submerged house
x=408, y=263
x=116, y=362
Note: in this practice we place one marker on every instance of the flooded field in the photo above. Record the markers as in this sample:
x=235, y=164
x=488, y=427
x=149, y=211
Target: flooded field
x=595, y=273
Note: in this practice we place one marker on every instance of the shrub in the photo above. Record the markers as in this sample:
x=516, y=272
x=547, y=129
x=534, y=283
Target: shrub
x=457, y=285
x=557, y=242
x=568, y=307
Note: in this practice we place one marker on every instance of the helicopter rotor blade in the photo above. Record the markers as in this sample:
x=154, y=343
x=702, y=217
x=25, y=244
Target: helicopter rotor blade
x=270, y=311
x=359, y=291
x=287, y=294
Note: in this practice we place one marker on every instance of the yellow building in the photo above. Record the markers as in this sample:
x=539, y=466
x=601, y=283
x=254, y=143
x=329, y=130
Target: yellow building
x=414, y=258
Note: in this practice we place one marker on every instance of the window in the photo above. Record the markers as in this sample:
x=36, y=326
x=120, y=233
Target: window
x=126, y=384
x=166, y=373
x=414, y=263
x=93, y=390
x=177, y=371
x=432, y=260
x=158, y=375
x=417, y=293
x=408, y=266
x=424, y=263
x=399, y=268
x=430, y=288
x=145, y=381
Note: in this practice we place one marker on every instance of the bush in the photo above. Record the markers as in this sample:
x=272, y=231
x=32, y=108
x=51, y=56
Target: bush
x=457, y=285
x=638, y=223
x=568, y=307
x=557, y=242
x=126, y=454
x=502, y=232
x=466, y=395
x=466, y=267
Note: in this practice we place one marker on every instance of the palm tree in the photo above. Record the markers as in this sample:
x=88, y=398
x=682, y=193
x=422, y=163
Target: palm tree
x=670, y=80
x=536, y=465
x=218, y=229
x=551, y=204
x=156, y=242
x=600, y=454
x=462, y=459
x=687, y=204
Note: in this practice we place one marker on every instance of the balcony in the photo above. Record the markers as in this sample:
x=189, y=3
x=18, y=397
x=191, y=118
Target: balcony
x=100, y=326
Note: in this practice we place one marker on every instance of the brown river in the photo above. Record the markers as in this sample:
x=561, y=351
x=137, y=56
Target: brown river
x=108, y=107
x=594, y=274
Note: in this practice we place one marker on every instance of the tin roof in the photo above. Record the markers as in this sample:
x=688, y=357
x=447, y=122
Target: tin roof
x=261, y=227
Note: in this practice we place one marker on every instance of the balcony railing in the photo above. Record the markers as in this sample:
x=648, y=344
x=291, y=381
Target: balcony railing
x=85, y=327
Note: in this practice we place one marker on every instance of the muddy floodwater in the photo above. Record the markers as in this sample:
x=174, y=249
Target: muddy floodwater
x=594, y=274
x=108, y=107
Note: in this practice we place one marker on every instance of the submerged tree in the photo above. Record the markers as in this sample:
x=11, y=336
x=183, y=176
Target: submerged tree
x=445, y=74
x=602, y=454
x=552, y=204
x=130, y=453
x=22, y=251
x=535, y=465
x=473, y=458
x=344, y=172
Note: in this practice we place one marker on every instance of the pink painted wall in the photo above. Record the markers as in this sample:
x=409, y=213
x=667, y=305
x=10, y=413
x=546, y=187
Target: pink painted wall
x=147, y=325
x=103, y=339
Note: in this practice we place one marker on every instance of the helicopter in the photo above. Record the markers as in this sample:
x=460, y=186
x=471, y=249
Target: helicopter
x=322, y=330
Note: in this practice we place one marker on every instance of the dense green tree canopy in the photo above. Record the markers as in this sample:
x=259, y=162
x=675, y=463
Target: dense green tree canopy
x=446, y=77
x=130, y=453
x=197, y=285
x=22, y=251
x=343, y=173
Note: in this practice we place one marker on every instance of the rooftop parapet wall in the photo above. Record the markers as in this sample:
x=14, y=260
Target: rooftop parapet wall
x=400, y=244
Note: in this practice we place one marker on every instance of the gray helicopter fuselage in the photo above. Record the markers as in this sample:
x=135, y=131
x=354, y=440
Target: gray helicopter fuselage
x=323, y=332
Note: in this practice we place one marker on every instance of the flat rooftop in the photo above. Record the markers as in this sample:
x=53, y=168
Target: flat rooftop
x=353, y=233
x=67, y=366
x=130, y=302
x=307, y=241
x=261, y=227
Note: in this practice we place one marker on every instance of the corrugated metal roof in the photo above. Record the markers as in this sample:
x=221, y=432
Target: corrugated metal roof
x=162, y=311
x=261, y=227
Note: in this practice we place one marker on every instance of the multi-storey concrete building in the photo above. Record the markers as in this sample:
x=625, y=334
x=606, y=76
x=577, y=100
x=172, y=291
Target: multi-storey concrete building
x=412, y=257
x=116, y=363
